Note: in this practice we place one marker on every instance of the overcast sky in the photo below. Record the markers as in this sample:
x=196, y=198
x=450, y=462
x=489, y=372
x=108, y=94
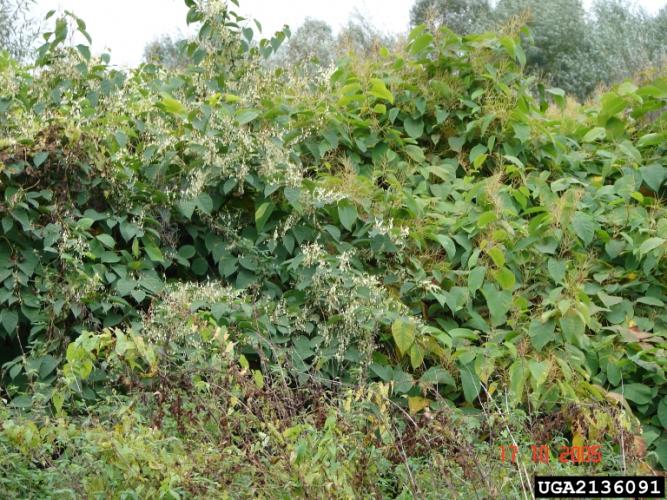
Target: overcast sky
x=126, y=26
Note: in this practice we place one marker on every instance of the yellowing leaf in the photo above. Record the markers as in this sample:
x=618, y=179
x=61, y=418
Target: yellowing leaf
x=417, y=404
x=403, y=332
x=380, y=90
x=173, y=106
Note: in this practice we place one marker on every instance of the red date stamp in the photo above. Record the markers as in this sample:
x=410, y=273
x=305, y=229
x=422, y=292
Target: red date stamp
x=541, y=454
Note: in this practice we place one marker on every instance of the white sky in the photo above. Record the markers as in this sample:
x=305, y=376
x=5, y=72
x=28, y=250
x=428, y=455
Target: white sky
x=126, y=26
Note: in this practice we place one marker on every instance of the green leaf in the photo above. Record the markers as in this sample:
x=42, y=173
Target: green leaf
x=262, y=214
x=23, y=401
x=173, y=106
x=506, y=279
x=416, y=356
x=205, y=203
x=539, y=372
x=499, y=303
x=415, y=152
x=414, y=128
x=125, y=286
x=662, y=412
x=470, y=382
x=347, y=213
x=420, y=43
x=652, y=139
x=497, y=256
x=557, y=269
x=187, y=252
x=573, y=329
x=448, y=244
x=9, y=320
x=635, y=392
x=595, y=134
x=246, y=116
x=85, y=223
x=584, y=227
x=661, y=452
x=106, y=240
x=154, y=253
x=517, y=380
x=48, y=364
x=186, y=207
x=476, y=153
x=650, y=244
x=653, y=175
x=404, y=332
x=39, y=158
x=476, y=279
x=486, y=218
x=436, y=375
x=380, y=90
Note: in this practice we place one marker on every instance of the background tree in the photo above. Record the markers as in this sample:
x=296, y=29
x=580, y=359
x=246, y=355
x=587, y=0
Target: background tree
x=569, y=47
x=461, y=16
x=560, y=46
x=17, y=28
x=313, y=45
x=313, y=41
x=166, y=51
x=624, y=39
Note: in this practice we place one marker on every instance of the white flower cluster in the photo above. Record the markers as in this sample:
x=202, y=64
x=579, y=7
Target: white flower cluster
x=313, y=254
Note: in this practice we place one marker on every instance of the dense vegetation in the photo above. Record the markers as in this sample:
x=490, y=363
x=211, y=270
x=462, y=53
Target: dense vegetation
x=222, y=277
x=566, y=45
x=574, y=49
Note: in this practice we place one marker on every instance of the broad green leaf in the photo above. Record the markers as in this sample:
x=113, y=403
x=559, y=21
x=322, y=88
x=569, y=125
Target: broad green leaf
x=584, y=227
x=635, y=392
x=187, y=252
x=205, y=203
x=662, y=412
x=347, y=213
x=497, y=256
x=415, y=152
x=106, y=240
x=436, y=375
x=469, y=382
x=476, y=279
x=404, y=332
x=187, y=208
x=380, y=90
x=518, y=376
x=414, y=128
x=652, y=139
x=420, y=43
x=486, y=218
x=654, y=175
x=39, y=158
x=9, y=320
x=448, y=244
x=499, y=303
x=595, y=134
x=262, y=214
x=245, y=116
x=650, y=244
x=506, y=279
x=416, y=356
x=541, y=333
x=173, y=106
x=573, y=329
x=154, y=253
x=539, y=372
x=557, y=269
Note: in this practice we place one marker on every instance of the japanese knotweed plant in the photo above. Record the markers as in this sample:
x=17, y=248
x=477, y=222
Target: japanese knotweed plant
x=431, y=218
